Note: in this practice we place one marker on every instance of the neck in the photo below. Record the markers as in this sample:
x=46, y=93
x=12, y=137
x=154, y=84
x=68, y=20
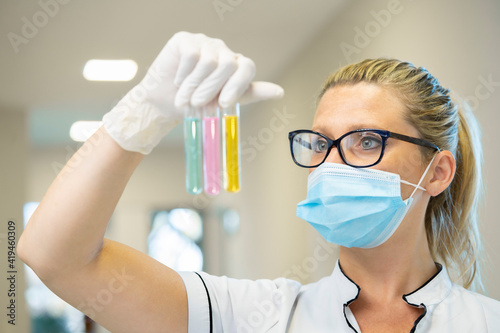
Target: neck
x=397, y=267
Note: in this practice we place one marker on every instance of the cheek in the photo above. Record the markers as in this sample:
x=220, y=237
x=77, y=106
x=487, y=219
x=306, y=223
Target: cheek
x=408, y=165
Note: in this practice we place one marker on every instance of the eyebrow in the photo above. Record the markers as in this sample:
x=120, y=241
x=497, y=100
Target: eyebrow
x=351, y=127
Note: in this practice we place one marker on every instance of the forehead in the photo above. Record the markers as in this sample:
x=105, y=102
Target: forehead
x=348, y=107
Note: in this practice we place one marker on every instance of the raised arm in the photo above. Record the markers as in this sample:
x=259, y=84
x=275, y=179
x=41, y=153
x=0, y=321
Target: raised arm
x=115, y=285
x=119, y=287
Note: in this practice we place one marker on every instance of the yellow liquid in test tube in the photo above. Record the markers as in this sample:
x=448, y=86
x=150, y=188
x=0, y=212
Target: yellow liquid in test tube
x=232, y=159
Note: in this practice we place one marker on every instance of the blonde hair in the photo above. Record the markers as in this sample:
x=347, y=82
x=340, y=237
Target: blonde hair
x=452, y=216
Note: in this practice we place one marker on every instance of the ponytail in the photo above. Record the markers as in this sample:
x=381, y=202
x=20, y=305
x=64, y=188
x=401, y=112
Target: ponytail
x=454, y=213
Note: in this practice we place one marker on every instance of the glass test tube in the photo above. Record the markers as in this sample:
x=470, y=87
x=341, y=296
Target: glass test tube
x=231, y=148
x=193, y=151
x=211, y=150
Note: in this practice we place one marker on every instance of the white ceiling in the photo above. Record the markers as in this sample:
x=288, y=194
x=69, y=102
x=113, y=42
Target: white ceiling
x=44, y=76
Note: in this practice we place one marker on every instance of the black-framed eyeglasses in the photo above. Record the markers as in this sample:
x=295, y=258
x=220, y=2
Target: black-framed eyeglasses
x=360, y=148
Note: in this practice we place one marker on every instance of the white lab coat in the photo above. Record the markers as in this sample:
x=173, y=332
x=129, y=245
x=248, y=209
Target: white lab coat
x=283, y=305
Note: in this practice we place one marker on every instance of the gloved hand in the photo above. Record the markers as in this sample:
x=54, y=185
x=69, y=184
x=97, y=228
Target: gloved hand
x=192, y=70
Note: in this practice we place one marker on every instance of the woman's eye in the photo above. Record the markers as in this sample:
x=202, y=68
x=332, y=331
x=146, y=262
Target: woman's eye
x=321, y=146
x=370, y=143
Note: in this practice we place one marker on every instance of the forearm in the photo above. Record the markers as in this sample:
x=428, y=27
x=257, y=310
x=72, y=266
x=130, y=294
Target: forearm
x=67, y=229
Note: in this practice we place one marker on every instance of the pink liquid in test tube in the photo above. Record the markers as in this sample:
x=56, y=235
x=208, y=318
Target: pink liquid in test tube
x=211, y=155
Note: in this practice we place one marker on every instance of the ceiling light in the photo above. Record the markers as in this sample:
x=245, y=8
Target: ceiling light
x=81, y=130
x=110, y=70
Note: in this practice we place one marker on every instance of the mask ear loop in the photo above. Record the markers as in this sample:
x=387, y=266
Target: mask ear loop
x=421, y=178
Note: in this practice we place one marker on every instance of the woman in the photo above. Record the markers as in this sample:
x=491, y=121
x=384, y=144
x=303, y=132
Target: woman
x=395, y=181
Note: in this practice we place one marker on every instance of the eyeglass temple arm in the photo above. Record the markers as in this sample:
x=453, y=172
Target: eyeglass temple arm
x=420, y=142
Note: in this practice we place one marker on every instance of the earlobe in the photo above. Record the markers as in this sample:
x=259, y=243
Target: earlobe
x=442, y=173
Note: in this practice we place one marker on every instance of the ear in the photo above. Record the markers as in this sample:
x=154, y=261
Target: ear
x=441, y=173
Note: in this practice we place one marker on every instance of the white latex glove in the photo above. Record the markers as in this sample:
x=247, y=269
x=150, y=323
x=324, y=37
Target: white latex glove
x=191, y=71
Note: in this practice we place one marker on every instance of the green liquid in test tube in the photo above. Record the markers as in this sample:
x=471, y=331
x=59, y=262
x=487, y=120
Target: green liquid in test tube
x=193, y=151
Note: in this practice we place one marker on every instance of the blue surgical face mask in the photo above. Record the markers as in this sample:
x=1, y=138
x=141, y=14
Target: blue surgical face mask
x=355, y=207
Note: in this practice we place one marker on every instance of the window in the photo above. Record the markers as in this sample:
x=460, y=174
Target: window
x=48, y=312
x=175, y=239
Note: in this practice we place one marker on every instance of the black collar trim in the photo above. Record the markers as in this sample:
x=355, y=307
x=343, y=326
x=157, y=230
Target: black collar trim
x=421, y=305
x=351, y=300
x=440, y=268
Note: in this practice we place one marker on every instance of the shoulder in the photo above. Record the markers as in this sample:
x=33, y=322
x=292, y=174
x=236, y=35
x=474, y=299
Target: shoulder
x=476, y=298
x=237, y=304
x=482, y=306
x=244, y=288
x=490, y=307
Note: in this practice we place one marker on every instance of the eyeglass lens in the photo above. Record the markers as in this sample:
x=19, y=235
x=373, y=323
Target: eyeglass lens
x=358, y=148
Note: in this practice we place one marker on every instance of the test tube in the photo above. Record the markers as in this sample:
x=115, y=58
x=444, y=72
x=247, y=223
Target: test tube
x=211, y=150
x=231, y=146
x=193, y=151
